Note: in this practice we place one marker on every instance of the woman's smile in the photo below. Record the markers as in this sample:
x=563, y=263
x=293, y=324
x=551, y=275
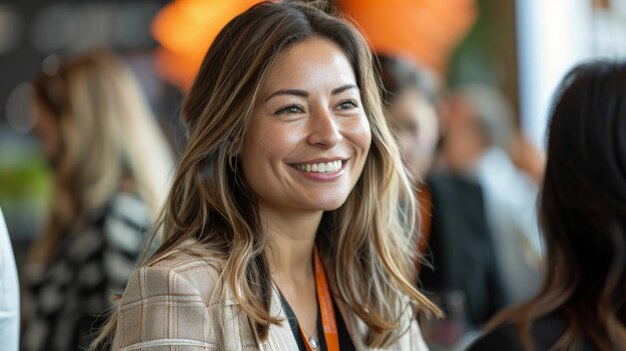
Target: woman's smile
x=321, y=170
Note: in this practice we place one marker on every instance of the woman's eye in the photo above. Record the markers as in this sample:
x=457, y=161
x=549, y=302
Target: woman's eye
x=291, y=109
x=348, y=104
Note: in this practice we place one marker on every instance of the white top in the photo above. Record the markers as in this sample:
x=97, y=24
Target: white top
x=9, y=293
x=510, y=204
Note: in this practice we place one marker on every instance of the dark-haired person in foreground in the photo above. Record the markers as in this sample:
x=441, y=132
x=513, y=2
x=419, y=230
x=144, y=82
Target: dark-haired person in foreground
x=583, y=217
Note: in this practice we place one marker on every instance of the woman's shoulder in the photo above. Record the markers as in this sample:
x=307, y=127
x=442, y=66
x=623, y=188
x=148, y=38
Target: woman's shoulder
x=176, y=300
x=183, y=272
x=187, y=255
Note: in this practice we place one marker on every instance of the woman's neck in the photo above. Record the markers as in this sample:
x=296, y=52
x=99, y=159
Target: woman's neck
x=291, y=239
x=290, y=244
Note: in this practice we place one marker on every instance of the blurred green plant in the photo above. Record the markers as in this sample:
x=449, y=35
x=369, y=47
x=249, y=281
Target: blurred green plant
x=25, y=188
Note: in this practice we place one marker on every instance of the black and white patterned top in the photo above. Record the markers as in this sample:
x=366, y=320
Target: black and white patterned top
x=69, y=298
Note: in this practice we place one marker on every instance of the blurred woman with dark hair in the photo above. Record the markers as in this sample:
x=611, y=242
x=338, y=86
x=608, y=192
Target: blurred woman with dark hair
x=583, y=216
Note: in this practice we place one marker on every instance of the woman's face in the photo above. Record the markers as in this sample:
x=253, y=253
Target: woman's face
x=309, y=136
x=417, y=127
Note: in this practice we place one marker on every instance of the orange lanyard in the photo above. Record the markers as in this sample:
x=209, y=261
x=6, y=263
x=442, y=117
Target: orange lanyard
x=327, y=310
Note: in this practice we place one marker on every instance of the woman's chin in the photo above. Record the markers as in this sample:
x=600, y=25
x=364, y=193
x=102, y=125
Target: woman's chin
x=331, y=204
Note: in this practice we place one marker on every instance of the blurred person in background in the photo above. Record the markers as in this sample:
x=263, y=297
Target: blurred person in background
x=481, y=142
x=410, y=96
x=110, y=165
x=282, y=229
x=581, y=305
x=9, y=293
x=454, y=232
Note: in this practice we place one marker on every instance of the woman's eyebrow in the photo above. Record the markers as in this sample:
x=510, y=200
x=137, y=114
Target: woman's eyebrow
x=296, y=92
x=343, y=88
x=305, y=94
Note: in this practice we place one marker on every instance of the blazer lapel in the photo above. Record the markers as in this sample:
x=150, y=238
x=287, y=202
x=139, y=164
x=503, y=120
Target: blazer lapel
x=280, y=337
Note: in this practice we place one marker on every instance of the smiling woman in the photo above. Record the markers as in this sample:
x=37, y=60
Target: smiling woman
x=282, y=229
x=307, y=142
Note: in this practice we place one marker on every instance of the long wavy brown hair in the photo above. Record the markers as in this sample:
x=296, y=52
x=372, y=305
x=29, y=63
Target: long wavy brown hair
x=367, y=244
x=583, y=213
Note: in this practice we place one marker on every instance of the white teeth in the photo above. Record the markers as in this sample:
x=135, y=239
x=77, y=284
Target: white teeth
x=328, y=167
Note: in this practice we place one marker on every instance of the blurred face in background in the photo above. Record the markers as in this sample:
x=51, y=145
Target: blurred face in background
x=417, y=127
x=464, y=143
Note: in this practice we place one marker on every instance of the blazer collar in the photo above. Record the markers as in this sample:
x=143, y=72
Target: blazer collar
x=281, y=338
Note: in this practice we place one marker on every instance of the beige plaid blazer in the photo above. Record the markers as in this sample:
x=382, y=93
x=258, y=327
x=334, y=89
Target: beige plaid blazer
x=168, y=306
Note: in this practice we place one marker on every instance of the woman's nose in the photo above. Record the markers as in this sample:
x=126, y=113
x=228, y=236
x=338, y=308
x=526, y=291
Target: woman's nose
x=324, y=130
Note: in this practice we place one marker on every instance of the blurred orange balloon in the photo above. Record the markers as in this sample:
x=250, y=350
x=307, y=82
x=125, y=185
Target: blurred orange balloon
x=425, y=31
x=185, y=29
